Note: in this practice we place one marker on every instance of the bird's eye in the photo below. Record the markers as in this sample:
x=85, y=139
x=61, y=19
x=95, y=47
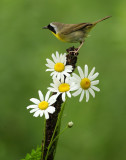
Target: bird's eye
x=51, y=28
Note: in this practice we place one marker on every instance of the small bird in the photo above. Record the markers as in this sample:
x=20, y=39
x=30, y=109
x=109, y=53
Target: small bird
x=72, y=33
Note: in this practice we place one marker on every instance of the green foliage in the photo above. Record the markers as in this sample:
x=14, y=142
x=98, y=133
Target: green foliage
x=100, y=125
x=35, y=154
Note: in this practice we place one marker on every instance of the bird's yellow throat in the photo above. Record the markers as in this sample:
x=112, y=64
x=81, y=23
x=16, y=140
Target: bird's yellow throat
x=58, y=37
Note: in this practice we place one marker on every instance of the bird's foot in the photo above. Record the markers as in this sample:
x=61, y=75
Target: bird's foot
x=73, y=51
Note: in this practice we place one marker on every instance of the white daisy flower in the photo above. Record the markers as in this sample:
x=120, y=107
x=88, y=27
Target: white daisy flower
x=62, y=87
x=59, y=68
x=42, y=106
x=85, y=82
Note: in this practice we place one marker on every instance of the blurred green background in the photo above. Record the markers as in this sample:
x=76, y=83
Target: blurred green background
x=99, y=131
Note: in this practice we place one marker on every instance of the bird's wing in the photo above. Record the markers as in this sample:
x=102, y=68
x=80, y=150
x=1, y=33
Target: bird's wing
x=69, y=28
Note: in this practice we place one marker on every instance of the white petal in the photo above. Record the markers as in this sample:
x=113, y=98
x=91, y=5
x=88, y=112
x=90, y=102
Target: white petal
x=53, y=85
x=52, y=89
x=62, y=77
x=86, y=71
x=75, y=87
x=36, y=114
x=41, y=113
x=75, y=81
x=61, y=55
x=50, y=69
x=72, y=83
x=95, y=88
x=54, y=58
x=47, y=96
x=53, y=99
x=80, y=72
x=63, y=97
x=51, y=63
x=46, y=115
x=56, y=82
x=49, y=66
x=34, y=110
x=51, y=109
x=77, y=92
x=87, y=95
x=94, y=76
x=68, y=94
x=52, y=73
x=34, y=100
x=92, y=72
x=41, y=95
x=82, y=96
x=66, y=74
x=63, y=59
x=95, y=82
x=92, y=92
x=76, y=76
x=67, y=80
x=61, y=81
x=58, y=76
x=32, y=106
x=68, y=68
x=54, y=76
x=57, y=56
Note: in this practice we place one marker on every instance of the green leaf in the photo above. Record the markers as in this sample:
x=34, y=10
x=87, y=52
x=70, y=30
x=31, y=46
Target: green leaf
x=35, y=154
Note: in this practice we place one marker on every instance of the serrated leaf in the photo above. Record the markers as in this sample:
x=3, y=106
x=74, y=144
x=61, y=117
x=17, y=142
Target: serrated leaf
x=35, y=154
x=28, y=156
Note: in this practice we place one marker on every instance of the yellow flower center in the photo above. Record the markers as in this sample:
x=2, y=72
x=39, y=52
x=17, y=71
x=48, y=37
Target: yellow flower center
x=59, y=67
x=85, y=83
x=64, y=87
x=43, y=105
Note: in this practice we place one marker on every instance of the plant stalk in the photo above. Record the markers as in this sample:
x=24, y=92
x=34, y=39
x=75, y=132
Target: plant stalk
x=52, y=127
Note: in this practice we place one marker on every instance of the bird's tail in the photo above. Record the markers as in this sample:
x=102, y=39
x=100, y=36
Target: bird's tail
x=101, y=20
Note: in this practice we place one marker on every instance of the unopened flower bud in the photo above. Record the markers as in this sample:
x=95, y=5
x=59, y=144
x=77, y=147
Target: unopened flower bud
x=70, y=124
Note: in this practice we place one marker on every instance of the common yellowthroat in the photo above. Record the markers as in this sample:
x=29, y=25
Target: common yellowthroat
x=72, y=33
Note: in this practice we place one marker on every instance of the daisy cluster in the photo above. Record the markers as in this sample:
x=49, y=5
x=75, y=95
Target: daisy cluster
x=64, y=84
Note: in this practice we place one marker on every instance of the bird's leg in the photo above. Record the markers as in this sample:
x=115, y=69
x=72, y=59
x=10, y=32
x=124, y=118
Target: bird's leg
x=81, y=44
x=75, y=51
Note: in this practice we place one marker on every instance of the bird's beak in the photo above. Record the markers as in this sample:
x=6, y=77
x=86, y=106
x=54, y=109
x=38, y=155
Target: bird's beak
x=46, y=27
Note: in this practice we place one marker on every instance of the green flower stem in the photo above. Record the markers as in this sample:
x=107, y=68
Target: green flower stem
x=53, y=139
x=59, y=134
